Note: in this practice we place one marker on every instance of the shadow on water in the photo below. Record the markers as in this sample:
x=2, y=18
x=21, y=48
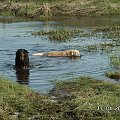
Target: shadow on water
x=22, y=76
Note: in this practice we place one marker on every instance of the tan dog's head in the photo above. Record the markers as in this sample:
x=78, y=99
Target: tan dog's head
x=74, y=53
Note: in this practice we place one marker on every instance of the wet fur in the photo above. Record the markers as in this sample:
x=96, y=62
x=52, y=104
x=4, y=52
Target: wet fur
x=22, y=59
x=69, y=53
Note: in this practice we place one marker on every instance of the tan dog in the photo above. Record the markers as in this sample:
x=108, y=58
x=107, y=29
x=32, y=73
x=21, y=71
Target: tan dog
x=66, y=53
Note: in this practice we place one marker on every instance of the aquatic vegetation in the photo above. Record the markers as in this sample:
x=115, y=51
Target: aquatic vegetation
x=113, y=75
x=59, y=35
x=107, y=28
x=90, y=48
x=115, y=61
x=107, y=46
x=105, y=32
x=104, y=46
x=109, y=32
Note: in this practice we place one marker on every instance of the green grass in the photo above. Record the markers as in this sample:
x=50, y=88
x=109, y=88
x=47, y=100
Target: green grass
x=78, y=99
x=87, y=95
x=59, y=9
x=19, y=99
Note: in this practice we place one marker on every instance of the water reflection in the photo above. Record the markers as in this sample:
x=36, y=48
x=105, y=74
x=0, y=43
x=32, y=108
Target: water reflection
x=12, y=19
x=91, y=21
x=22, y=76
x=74, y=57
x=5, y=19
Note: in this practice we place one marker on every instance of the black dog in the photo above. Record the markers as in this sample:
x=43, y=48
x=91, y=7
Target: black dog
x=22, y=59
x=22, y=66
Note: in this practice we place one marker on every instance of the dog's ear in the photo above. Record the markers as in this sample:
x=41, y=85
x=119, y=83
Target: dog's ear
x=26, y=51
x=22, y=50
x=18, y=52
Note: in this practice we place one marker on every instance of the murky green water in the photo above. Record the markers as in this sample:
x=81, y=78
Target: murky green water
x=15, y=34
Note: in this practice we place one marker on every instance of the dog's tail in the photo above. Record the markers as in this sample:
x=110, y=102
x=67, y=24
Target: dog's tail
x=38, y=54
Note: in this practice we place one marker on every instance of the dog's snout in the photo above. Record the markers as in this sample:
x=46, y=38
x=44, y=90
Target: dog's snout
x=22, y=56
x=78, y=54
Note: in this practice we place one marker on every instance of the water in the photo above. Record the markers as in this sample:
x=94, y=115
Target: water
x=15, y=35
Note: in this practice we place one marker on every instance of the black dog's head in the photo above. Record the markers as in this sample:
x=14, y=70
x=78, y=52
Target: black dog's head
x=22, y=59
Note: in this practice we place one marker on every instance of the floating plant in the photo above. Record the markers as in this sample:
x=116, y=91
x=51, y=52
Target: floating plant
x=58, y=35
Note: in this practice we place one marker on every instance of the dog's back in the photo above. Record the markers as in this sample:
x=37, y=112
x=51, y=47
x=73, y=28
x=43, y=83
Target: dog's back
x=65, y=53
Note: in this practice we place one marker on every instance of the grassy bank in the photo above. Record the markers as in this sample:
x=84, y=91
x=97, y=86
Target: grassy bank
x=20, y=103
x=78, y=99
x=59, y=9
x=90, y=99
